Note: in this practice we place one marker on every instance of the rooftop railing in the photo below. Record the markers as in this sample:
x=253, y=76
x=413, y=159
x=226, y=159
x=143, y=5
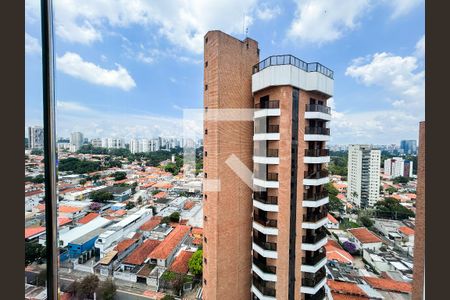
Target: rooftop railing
x=319, y=108
x=278, y=60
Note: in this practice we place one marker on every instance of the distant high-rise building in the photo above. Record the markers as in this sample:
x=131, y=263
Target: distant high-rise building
x=134, y=146
x=280, y=211
x=408, y=146
x=397, y=166
x=36, y=137
x=363, y=175
x=96, y=143
x=112, y=143
x=418, y=291
x=26, y=143
x=76, y=140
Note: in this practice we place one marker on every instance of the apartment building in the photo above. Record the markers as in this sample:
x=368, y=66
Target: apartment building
x=76, y=140
x=418, y=290
x=282, y=221
x=363, y=175
x=397, y=166
x=36, y=137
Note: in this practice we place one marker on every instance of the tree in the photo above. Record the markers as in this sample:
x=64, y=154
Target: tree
x=391, y=208
x=34, y=252
x=366, y=221
x=401, y=179
x=37, y=179
x=129, y=205
x=101, y=196
x=37, y=152
x=390, y=190
x=73, y=288
x=175, y=217
x=119, y=175
x=139, y=200
x=335, y=204
x=78, y=166
x=88, y=286
x=196, y=263
x=155, y=192
x=107, y=290
x=165, y=220
x=95, y=206
x=83, y=181
x=349, y=247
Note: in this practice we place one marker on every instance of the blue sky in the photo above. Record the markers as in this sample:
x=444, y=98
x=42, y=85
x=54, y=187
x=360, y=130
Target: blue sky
x=129, y=68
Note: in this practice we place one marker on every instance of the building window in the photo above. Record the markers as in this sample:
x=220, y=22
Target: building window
x=206, y=153
x=204, y=281
x=206, y=131
x=206, y=108
x=206, y=196
x=206, y=240
x=206, y=175
x=205, y=260
x=205, y=218
x=206, y=64
x=206, y=40
x=206, y=87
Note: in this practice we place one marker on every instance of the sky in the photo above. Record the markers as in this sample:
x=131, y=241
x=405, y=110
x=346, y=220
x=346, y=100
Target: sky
x=128, y=68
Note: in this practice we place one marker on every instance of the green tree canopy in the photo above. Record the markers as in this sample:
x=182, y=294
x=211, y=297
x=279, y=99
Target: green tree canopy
x=119, y=175
x=34, y=252
x=196, y=263
x=78, y=166
x=391, y=208
x=175, y=217
x=101, y=196
x=107, y=290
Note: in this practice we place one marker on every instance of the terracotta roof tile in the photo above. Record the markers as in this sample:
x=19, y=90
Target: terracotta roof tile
x=332, y=219
x=345, y=288
x=139, y=255
x=188, y=205
x=180, y=264
x=406, y=230
x=364, y=235
x=89, y=217
x=150, y=224
x=170, y=242
x=31, y=231
x=124, y=245
x=388, y=284
x=63, y=221
x=68, y=209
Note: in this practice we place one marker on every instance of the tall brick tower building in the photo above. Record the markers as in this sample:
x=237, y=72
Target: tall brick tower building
x=227, y=199
x=419, y=240
x=267, y=243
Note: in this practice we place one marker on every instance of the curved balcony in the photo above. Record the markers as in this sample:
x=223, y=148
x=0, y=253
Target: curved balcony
x=311, y=264
x=265, y=249
x=316, y=156
x=270, y=157
x=262, y=289
x=270, y=181
x=264, y=202
x=317, y=111
x=317, y=134
x=314, y=242
x=320, y=295
x=315, y=220
x=315, y=199
x=316, y=178
x=312, y=284
x=269, y=108
x=265, y=225
x=267, y=273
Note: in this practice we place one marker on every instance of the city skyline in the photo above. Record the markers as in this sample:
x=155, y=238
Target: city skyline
x=114, y=79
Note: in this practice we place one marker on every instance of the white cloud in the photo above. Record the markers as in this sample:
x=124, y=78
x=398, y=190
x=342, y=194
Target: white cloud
x=266, y=12
x=65, y=106
x=72, y=64
x=31, y=44
x=322, y=21
x=420, y=47
x=399, y=76
x=402, y=7
x=183, y=23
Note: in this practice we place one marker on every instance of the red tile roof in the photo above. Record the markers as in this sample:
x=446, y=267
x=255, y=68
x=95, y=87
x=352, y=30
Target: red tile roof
x=337, y=253
x=364, y=235
x=170, y=242
x=406, y=230
x=32, y=193
x=139, y=255
x=388, y=284
x=332, y=219
x=188, y=205
x=180, y=264
x=124, y=245
x=89, y=217
x=31, y=231
x=63, y=221
x=160, y=195
x=150, y=224
x=68, y=209
x=346, y=288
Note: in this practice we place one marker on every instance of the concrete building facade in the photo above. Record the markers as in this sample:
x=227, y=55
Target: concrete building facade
x=363, y=175
x=36, y=137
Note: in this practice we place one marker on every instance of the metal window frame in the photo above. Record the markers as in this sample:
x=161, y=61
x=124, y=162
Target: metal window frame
x=48, y=87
